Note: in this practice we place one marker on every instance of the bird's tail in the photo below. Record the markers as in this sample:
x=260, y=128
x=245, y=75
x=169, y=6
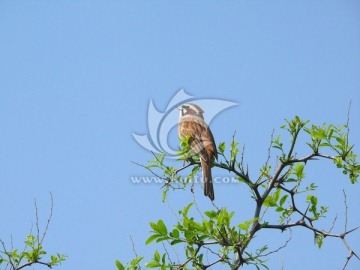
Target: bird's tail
x=207, y=178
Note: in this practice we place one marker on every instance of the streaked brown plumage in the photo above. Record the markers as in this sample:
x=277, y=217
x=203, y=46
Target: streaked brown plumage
x=191, y=123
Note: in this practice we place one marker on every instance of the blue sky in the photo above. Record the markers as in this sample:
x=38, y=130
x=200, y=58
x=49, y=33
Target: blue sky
x=76, y=80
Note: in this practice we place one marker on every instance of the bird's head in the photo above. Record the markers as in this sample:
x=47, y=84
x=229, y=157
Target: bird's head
x=191, y=109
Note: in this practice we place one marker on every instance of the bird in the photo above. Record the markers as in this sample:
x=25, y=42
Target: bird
x=201, y=141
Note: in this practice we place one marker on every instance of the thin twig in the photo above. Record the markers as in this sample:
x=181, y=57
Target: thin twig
x=133, y=245
x=160, y=177
x=348, y=125
x=333, y=224
x=172, y=211
x=232, y=156
x=215, y=262
x=279, y=248
x=184, y=167
x=351, y=252
x=197, y=206
x=191, y=258
x=49, y=218
x=346, y=211
x=37, y=220
x=270, y=147
x=167, y=253
x=242, y=159
x=7, y=254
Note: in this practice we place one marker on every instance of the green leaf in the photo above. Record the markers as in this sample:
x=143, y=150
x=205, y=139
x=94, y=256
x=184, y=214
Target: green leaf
x=283, y=199
x=211, y=214
x=319, y=240
x=277, y=194
x=156, y=256
x=176, y=241
x=174, y=233
x=269, y=201
x=319, y=134
x=312, y=199
x=53, y=259
x=246, y=225
x=160, y=239
x=324, y=144
x=161, y=228
x=233, y=150
x=186, y=209
x=152, y=238
x=312, y=186
x=341, y=141
x=299, y=171
x=136, y=260
x=153, y=226
x=119, y=265
x=164, y=194
x=153, y=264
x=222, y=147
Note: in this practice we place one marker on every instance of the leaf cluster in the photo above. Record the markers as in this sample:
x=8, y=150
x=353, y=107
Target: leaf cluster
x=215, y=238
x=32, y=253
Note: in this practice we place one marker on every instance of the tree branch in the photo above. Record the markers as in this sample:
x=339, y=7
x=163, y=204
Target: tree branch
x=31, y=263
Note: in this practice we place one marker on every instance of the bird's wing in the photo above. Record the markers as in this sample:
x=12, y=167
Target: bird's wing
x=195, y=128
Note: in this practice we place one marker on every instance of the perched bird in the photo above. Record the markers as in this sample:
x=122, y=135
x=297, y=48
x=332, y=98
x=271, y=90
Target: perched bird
x=201, y=141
